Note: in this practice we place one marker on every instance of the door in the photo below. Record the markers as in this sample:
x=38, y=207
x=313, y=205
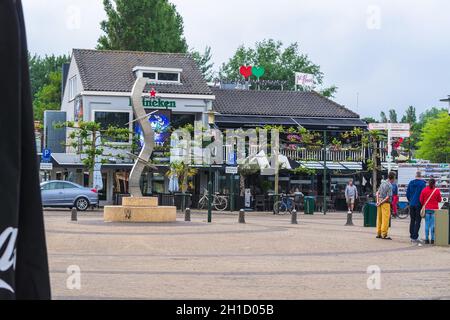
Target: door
x=71, y=192
x=53, y=194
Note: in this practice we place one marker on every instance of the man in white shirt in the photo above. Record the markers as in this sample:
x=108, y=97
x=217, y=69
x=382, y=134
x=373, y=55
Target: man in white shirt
x=351, y=194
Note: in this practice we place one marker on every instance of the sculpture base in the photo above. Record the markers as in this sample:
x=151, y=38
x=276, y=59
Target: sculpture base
x=140, y=209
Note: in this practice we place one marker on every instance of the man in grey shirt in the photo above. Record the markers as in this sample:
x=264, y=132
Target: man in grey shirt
x=351, y=194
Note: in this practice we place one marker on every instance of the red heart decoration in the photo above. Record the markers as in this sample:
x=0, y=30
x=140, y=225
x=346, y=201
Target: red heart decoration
x=246, y=71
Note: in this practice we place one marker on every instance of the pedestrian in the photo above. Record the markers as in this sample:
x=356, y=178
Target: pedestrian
x=413, y=192
x=430, y=198
x=384, y=200
x=394, y=199
x=351, y=194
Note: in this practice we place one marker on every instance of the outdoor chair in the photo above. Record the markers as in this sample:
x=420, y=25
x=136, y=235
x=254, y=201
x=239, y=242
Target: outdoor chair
x=260, y=202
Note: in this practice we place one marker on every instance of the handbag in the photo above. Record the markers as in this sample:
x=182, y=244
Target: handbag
x=423, y=210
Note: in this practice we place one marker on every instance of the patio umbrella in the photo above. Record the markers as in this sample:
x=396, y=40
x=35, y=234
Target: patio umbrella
x=173, y=184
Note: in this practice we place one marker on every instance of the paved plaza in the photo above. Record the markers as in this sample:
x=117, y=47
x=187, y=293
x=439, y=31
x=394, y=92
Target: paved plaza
x=266, y=258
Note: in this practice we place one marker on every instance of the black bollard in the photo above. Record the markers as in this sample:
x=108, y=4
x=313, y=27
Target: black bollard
x=74, y=214
x=242, y=216
x=349, y=219
x=294, y=217
x=187, y=214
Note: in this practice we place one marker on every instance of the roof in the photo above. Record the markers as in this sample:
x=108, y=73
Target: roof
x=112, y=71
x=278, y=103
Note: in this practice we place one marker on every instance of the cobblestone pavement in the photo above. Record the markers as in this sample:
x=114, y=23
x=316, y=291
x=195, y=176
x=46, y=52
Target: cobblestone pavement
x=266, y=258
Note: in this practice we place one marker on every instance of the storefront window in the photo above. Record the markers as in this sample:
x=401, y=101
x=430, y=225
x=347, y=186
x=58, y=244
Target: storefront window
x=115, y=119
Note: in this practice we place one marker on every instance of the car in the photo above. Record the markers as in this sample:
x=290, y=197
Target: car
x=62, y=194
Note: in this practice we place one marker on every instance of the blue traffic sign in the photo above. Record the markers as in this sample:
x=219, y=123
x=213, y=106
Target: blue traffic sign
x=46, y=155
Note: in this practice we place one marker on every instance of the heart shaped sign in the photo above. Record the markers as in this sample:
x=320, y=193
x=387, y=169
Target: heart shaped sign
x=246, y=71
x=258, y=71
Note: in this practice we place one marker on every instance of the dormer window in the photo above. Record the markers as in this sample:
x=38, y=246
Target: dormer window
x=159, y=75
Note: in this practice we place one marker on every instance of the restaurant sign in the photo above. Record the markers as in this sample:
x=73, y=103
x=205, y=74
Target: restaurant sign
x=158, y=103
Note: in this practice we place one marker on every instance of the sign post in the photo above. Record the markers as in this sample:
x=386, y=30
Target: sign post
x=394, y=130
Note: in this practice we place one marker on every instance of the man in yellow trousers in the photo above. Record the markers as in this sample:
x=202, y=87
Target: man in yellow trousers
x=384, y=199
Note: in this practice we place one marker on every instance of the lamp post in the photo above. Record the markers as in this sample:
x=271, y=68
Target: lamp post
x=448, y=100
x=324, y=172
x=209, y=193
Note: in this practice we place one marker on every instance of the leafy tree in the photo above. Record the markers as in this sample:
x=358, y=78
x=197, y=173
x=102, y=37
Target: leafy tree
x=393, y=116
x=410, y=116
x=435, y=140
x=279, y=62
x=203, y=61
x=42, y=67
x=184, y=172
x=48, y=97
x=142, y=25
x=369, y=120
x=93, y=143
x=383, y=118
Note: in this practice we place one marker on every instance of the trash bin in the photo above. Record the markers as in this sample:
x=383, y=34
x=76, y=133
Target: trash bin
x=442, y=228
x=370, y=215
x=182, y=201
x=309, y=205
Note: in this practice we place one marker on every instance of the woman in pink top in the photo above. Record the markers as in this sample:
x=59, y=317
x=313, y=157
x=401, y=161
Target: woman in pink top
x=430, y=198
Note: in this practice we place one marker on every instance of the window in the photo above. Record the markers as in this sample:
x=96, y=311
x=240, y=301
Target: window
x=113, y=119
x=72, y=88
x=149, y=75
x=54, y=186
x=168, y=76
x=69, y=186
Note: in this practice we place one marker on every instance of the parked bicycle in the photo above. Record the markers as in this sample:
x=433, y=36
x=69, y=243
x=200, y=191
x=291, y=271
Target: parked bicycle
x=220, y=203
x=283, y=206
x=402, y=210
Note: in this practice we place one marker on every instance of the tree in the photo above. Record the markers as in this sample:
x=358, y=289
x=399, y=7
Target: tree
x=369, y=120
x=435, y=140
x=393, y=116
x=410, y=116
x=280, y=63
x=142, y=25
x=204, y=63
x=92, y=142
x=183, y=172
x=383, y=118
x=42, y=67
x=48, y=97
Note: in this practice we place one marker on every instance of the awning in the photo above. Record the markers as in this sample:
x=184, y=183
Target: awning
x=71, y=160
x=308, y=123
x=344, y=166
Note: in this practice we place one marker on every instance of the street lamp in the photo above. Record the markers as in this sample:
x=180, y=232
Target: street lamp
x=448, y=199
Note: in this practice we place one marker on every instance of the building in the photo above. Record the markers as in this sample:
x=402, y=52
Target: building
x=98, y=88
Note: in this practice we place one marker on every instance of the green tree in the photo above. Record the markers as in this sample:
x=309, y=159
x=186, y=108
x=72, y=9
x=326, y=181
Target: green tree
x=183, y=172
x=48, y=97
x=383, y=118
x=42, y=67
x=393, y=116
x=203, y=61
x=95, y=144
x=435, y=140
x=279, y=62
x=142, y=25
x=410, y=116
x=369, y=120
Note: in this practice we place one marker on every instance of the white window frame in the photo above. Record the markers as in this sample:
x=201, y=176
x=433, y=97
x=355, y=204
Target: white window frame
x=141, y=70
x=73, y=88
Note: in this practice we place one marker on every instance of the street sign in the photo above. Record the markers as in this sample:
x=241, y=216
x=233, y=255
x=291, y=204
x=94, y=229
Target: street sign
x=231, y=170
x=46, y=166
x=393, y=126
x=400, y=134
x=378, y=126
x=46, y=155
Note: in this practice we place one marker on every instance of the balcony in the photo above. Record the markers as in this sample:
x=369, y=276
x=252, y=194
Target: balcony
x=342, y=155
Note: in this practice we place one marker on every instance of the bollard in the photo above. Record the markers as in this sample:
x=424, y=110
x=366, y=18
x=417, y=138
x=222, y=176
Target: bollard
x=187, y=214
x=242, y=216
x=294, y=217
x=349, y=219
x=74, y=214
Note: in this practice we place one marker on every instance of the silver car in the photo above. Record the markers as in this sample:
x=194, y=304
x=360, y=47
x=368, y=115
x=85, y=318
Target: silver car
x=68, y=194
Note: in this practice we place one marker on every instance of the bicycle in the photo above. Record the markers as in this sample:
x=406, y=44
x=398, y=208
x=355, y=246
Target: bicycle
x=286, y=204
x=402, y=210
x=220, y=203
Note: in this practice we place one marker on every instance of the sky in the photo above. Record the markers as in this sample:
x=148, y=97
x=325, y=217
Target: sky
x=380, y=54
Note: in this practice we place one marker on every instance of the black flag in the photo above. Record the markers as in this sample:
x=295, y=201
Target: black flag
x=23, y=254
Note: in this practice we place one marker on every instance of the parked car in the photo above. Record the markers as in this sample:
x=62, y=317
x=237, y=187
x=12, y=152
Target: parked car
x=68, y=194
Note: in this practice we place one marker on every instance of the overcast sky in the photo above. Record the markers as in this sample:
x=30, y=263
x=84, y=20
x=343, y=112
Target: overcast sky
x=393, y=53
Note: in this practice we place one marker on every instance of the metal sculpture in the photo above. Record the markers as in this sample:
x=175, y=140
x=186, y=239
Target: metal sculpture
x=149, y=138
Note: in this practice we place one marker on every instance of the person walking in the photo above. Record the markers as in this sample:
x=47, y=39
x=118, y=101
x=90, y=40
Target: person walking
x=351, y=194
x=394, y=199
x=413, y=192
x=384, y=200
x=430, y=198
